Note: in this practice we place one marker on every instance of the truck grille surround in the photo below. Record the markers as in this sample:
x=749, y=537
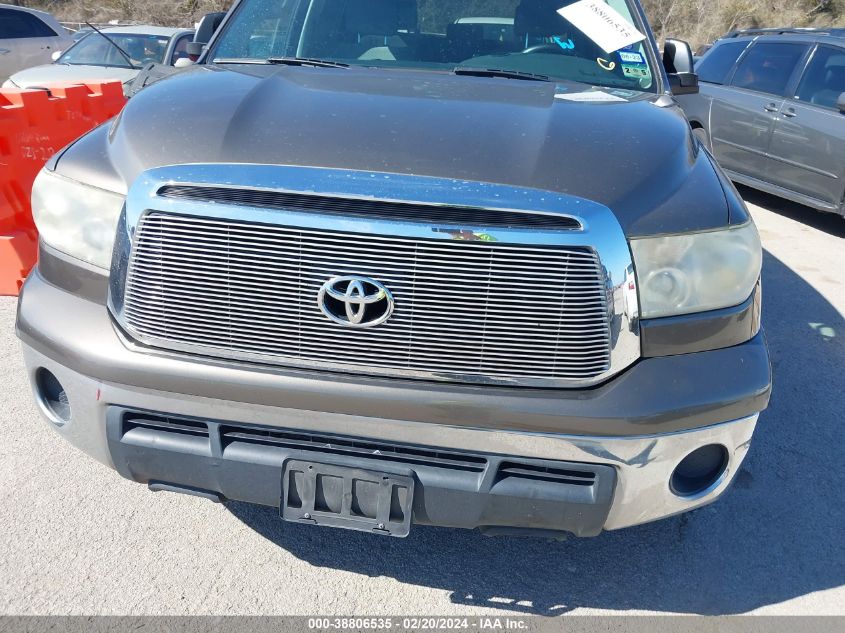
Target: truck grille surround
x=473, y=308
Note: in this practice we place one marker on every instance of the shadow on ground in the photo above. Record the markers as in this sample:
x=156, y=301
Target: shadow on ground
x=830, y=223
x=776, y=535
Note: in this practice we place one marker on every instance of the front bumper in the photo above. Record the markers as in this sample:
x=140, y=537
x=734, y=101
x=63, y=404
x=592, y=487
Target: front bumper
x=640, y=425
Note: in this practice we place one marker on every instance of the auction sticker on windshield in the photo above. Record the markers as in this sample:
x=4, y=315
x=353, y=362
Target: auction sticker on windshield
x=603, y=24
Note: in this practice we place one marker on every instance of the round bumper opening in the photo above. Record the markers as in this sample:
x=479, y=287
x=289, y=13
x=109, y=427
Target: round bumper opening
x=700, y=471
x=52, y=397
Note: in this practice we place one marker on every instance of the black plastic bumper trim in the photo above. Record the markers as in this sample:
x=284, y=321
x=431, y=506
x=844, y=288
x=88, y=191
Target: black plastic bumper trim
x=451, y=488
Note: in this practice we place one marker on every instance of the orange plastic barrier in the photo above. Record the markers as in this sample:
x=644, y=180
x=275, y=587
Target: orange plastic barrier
x=34, y=125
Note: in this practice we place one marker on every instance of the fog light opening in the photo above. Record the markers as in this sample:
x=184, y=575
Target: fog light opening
x=52, y=397
x=700, y=471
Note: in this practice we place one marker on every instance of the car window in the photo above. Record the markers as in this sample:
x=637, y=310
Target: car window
x=768, y=67
x=19, y=24
x=716, y=67
x=528, y=36
x=180, y=51
x=99, y=50
x=824, y=79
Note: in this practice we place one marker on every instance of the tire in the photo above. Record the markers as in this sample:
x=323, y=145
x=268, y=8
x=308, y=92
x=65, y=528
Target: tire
x=701, y=134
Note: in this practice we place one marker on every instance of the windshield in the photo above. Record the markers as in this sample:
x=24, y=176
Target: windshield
x=596, y=43
x=96, y=50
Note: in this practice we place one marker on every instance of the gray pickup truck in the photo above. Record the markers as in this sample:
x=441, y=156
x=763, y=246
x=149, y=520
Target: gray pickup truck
x=389, y=262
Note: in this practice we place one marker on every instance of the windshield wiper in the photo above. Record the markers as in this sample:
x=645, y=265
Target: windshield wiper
x=112, y=42
x=305, y=61
x=497, y=72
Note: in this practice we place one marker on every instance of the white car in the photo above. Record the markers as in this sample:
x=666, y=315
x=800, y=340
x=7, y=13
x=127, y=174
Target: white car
x=28, y=38
x=113, y=53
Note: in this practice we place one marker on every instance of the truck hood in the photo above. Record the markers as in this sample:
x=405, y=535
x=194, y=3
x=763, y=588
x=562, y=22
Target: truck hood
x=631, y=155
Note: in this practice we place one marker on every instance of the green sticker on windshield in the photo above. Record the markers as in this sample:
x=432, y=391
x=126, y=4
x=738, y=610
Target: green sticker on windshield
x=636, y=71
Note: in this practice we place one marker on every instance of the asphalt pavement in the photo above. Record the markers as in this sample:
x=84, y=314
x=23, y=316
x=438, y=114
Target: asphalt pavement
x=78, y=539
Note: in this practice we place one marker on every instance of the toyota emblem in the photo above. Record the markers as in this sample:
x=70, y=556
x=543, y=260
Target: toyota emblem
x=355, y=301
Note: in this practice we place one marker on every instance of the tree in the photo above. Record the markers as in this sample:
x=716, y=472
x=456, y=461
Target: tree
x=698, y=21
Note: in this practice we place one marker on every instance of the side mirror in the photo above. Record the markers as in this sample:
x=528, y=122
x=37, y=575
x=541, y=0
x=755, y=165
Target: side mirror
x=207, y=26
x=841, y=103
x=55, y=56
x=194, y=50
x=680, y=66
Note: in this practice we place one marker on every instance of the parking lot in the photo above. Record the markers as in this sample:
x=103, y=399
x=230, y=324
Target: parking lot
x=80, y=540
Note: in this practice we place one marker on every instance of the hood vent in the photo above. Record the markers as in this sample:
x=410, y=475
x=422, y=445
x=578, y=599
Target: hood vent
x=372, y=209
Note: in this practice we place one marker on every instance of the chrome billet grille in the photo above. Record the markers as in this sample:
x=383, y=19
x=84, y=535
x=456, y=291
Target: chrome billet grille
x=471, y=310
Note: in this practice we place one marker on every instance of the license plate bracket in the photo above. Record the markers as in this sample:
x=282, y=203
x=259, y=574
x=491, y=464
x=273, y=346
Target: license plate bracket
x=347, y=497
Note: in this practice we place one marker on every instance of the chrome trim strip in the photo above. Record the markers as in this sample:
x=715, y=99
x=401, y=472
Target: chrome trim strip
x=810, y=168
x=750, y=150
x=600, y=232
x=412, y=212
x=782, y=192
x=780, y=159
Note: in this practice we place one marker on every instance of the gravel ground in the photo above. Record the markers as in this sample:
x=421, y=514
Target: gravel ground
x=78, y=539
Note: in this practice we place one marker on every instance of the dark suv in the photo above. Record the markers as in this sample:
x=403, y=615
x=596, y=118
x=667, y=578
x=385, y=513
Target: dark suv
x=375, y=262
x=772, y=109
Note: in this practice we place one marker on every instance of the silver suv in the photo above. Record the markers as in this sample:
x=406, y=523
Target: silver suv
x=28, y=38
x=377, y=263
x=772, y=109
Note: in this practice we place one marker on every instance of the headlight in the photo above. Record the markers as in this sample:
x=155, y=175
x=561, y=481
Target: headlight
x=680, y=274
x=76, y=219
